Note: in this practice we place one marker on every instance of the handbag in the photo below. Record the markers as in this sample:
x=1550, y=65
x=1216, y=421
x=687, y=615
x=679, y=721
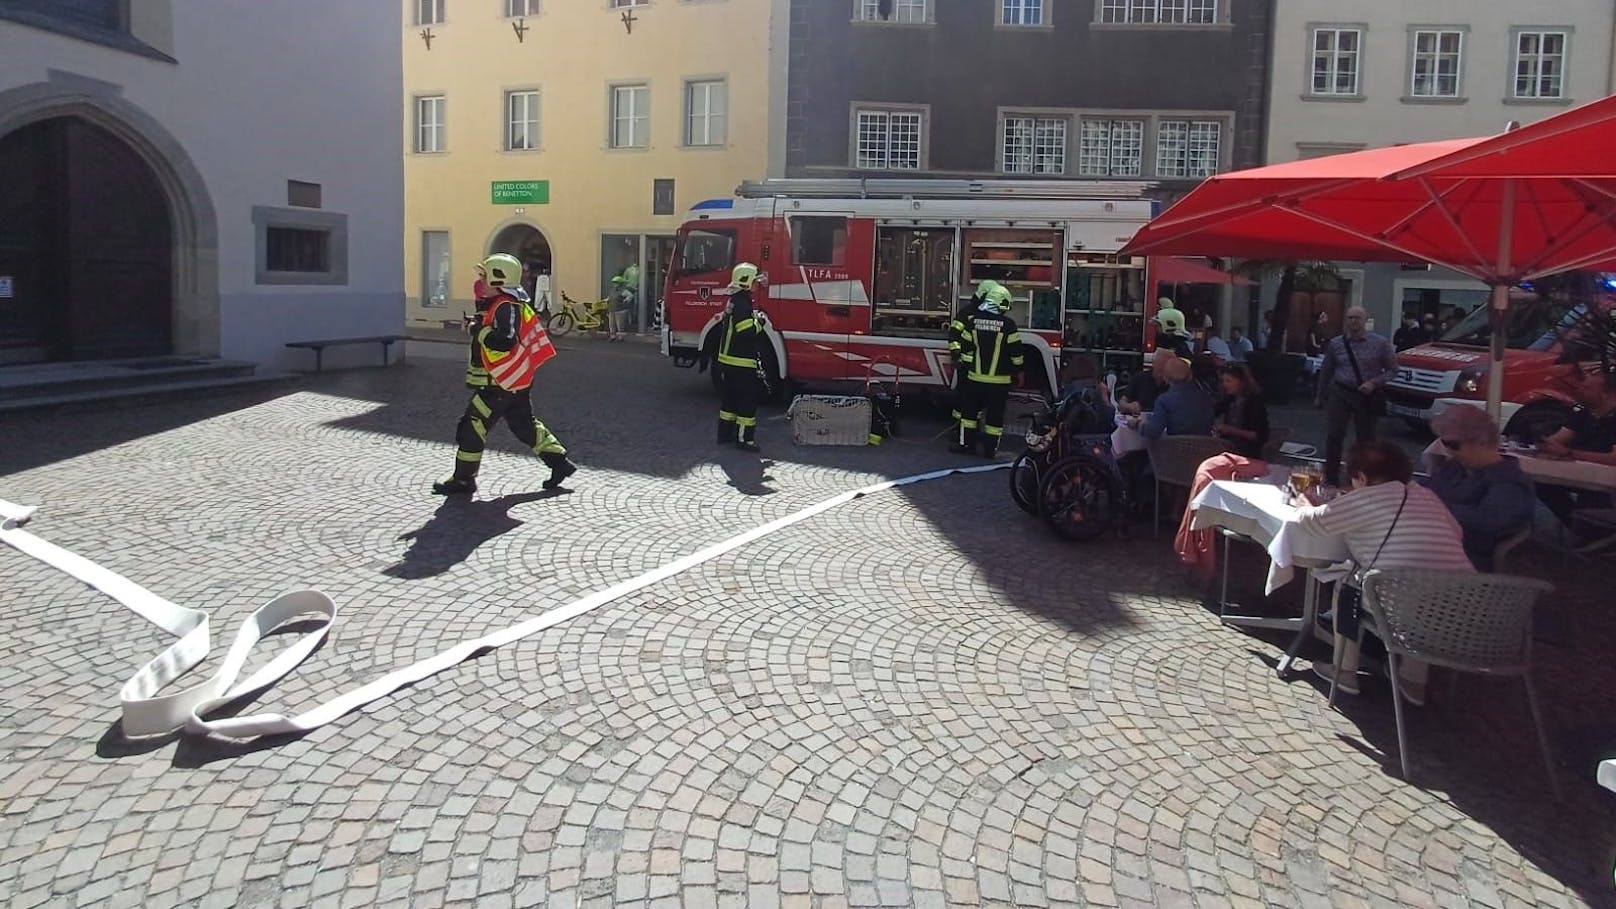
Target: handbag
x=1349, y=598
x=1376, y=400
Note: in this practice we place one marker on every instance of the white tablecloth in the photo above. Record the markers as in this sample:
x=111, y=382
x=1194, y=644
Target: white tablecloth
x=1124, y=438
x=1576, y=474
x=1258, y=510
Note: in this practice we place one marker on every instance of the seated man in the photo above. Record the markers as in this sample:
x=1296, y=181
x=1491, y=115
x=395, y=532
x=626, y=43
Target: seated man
x=1488, y=494
x=1185, y=409
x=1590, y=436
x=1144, y=388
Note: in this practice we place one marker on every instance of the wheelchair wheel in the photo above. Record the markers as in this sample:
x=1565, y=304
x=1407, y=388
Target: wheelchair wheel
x=1080, y=498
x=1024, y=482
x=561, y=323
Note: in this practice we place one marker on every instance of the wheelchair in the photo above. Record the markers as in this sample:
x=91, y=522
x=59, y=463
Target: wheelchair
x=1067, y=475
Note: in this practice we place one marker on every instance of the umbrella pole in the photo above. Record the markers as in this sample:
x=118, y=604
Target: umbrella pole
x=1498, y=307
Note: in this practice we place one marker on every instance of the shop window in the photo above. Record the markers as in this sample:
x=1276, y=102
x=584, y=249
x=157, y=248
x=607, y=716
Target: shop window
x=704, y=251
x=819, y=241
x=435, y=272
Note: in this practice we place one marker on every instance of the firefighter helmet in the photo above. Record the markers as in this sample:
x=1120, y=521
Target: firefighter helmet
x=986, y=285
x=1170, y=319
x=744, y=276
x=502, y=270
x=997, y=296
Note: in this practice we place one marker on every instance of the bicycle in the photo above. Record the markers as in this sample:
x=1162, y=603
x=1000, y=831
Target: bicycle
x=573, y=314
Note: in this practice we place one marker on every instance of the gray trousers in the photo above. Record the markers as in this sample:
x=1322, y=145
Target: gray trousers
x=1341, y=406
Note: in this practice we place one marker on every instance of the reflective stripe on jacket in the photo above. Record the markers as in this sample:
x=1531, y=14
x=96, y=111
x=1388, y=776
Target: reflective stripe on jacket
x=997, y=347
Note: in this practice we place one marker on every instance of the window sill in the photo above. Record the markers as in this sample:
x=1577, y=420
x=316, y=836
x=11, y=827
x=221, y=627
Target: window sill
x=717, y=147
x=1539, y=102
x=627, y=149
x=1008, y=27
x=520, y=151
x=430, y=154
x=1334, y=99
x=887, y=23
x=1433, y=99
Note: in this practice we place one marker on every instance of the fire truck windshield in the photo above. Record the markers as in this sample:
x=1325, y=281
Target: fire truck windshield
x=1532, y=325
x=705, y=250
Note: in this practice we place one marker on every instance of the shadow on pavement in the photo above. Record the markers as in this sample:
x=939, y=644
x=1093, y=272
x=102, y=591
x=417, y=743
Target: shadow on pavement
x=456, y=529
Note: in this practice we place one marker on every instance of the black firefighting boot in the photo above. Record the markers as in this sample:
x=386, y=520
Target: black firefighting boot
x=965, y=443
x=455, y=486
x=990, y=446
x=748, y=439
x=560, y=469
x=726, y=431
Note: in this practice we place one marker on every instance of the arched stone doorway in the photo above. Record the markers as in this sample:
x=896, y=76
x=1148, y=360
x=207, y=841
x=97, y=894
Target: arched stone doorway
x=86, y=237
x=527, y=243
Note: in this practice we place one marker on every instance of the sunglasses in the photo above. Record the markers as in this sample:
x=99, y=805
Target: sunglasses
x=1452, y=444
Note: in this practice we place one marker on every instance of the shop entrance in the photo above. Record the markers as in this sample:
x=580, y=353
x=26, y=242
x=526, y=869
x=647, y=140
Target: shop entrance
x=527, y=243
x=86, y=247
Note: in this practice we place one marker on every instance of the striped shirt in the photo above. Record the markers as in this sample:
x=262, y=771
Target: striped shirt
x=1425, y=536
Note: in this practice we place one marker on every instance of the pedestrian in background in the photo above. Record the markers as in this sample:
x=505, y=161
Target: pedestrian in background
x=1357, y=365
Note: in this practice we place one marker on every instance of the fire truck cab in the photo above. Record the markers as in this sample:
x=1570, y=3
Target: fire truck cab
x=861, y=278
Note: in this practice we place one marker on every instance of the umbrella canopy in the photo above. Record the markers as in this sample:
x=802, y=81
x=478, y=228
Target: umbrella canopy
x=1175, y=270
x=1525, y=204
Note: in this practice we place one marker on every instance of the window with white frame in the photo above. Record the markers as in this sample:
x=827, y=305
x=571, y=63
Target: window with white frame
x=429, y=12
x=435, y=272
x=1022, y=12
x=1034, y=145
x=515, y=9
x=1111, y=148
x=1159, y=12
x=1438, y=60
x=624, y=4
x=888, y=139
x=1335, y=61
x=631, y=116
x=521, y=120
x=1540, y=58
x=1188, y=148
x=706, y=112
x=430, y=130
x=893, y=10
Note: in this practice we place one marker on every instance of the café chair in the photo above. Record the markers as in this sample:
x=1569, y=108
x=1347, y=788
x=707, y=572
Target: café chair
x=1506, y=547
x=1461, y=621
x=1276, y=440
x=1174, y=460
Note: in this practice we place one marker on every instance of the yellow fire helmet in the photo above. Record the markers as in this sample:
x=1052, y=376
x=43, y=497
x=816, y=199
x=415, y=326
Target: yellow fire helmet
x=744, y=276
x=502, y=270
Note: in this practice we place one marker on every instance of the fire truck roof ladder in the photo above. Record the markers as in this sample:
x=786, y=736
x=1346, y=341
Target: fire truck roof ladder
x=943, y=189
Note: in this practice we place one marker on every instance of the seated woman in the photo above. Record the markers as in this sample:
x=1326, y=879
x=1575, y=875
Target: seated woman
x=1386, y=521
x=1242, y=415
x=1488, y=494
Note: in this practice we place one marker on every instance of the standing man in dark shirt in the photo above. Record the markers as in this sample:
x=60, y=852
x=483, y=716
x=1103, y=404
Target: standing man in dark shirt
x=1357, y=365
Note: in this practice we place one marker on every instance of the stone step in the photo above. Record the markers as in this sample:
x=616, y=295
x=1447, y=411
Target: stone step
x=145, y=392
x=52, y=380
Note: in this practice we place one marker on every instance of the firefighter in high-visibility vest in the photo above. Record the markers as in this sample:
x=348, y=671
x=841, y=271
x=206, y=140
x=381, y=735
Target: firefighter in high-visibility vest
x=511, y=345
x=958, y=338
x=740, y=387
x=992, y=355
x=482, y=295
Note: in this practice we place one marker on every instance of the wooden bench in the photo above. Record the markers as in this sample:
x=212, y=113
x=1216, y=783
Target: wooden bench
x=386, y=341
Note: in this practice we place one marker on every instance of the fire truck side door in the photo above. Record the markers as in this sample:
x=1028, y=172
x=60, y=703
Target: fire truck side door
x=831, y=297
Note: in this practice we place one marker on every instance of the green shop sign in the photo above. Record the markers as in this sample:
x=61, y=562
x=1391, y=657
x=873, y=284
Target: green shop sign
x=521, y=192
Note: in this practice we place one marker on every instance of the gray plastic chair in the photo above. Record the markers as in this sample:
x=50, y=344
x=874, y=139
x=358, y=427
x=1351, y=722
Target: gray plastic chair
x=1174, y=460
x=1462, y=621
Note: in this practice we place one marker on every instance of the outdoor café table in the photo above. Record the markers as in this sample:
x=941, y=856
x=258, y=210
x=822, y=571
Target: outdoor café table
x=1258, y=510
x=1583, y=475
x=1125, y=438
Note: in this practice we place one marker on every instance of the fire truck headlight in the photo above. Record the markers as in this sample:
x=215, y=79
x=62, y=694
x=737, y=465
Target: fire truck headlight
x=1470, y=381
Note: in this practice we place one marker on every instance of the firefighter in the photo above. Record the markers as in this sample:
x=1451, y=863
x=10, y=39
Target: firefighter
x=510, y=345
x=957, y=336
x=1170, y=332
x=993, y=355
x=481, y=295
x=739, y=385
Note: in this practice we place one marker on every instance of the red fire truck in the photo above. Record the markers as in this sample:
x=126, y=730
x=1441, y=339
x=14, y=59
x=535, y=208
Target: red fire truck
x=862, y=277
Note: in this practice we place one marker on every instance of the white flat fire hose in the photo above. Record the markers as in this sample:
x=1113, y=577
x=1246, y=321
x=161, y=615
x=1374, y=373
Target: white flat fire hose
x=147, y=711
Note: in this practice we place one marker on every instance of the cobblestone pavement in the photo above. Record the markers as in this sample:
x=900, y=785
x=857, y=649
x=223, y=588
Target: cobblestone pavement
x=918, y=699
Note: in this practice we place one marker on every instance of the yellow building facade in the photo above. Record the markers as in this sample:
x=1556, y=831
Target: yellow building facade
x=575, y=134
